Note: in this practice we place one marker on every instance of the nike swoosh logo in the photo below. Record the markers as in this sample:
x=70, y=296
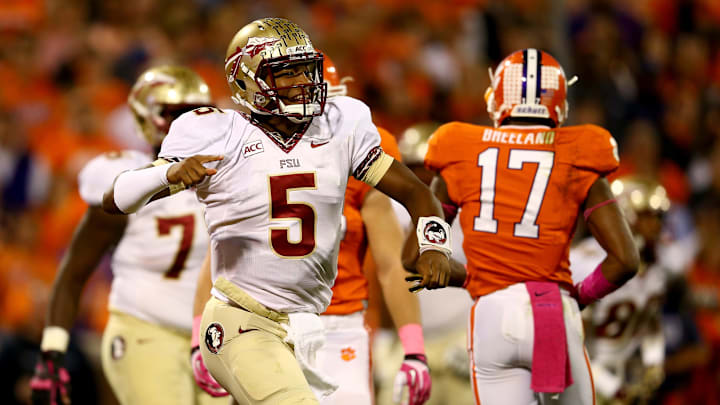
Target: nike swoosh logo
x=315, y=145
x=540, y=294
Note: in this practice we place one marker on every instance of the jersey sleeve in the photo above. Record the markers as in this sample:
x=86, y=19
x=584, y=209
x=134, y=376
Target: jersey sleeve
x=197, y=132
x=390, y=146
x=99, y=174
x=368, y=161
x=597, y=150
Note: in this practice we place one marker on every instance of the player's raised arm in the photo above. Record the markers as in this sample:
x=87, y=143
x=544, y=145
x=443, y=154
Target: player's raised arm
x=608, y=225
x=135, y=188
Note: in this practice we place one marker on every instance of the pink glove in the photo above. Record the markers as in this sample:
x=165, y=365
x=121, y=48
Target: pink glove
x=51, y=383
x=203, y=378
x=414, y=373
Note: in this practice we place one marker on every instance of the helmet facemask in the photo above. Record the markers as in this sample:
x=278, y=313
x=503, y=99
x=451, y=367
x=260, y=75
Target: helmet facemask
x=265, y=97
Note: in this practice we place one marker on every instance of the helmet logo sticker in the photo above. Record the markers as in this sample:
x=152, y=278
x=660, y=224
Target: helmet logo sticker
x=257, y=45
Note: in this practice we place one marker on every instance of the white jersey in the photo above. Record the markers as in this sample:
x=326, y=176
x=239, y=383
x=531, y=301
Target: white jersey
x=156, y=263
x=623, y=322
x=274, y=208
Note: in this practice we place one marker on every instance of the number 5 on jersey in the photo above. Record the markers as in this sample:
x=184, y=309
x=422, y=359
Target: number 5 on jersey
x=526, y=228
x=282, y=209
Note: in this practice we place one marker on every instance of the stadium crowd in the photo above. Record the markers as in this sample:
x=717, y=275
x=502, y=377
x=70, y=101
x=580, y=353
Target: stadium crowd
x=649, y=71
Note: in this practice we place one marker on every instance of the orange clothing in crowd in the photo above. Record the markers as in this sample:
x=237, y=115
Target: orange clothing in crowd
x=705, y=281
x=520, y=190
x=351, y=286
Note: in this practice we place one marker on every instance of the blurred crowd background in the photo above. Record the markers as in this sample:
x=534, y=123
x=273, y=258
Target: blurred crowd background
x=649, y=71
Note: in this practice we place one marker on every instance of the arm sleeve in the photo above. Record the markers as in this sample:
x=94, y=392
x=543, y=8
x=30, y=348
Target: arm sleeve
x=390, y=147
x=99, y=174
x=368, y=161
x=196, y=133
x=597, y=150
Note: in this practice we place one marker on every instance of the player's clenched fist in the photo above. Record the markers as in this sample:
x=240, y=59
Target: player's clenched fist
x=190, y=171
x=434, y=267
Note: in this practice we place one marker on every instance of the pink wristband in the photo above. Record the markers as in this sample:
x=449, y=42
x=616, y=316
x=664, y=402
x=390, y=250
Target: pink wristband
x=594, y=287
x=195, y=338
x=590, y=210
x=411, y=337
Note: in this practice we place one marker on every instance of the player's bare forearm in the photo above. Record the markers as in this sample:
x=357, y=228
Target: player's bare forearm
x=93, y=237
x=385, y=239
x=609, y=227
x=404, y=187
x=204, y=285
x=400, y=184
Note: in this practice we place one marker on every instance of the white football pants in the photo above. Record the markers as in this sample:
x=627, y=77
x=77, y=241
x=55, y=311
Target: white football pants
x=346, y=357
x=500, y=341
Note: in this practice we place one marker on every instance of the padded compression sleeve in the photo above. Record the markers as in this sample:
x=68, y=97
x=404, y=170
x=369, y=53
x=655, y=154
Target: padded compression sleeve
x=134, y=188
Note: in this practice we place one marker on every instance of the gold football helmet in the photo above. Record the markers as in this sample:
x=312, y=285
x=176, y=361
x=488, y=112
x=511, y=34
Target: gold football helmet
x=414, y=142
x=257, y=52
x=636, y=195
x=162, y=94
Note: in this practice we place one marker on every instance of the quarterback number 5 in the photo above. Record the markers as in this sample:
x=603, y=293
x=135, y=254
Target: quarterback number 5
x=526, y=228
x=284, y=210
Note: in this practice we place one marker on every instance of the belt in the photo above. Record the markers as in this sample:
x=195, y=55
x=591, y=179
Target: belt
x=245, y=301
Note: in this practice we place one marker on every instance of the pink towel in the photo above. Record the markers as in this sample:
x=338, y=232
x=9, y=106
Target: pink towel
x=550, y=363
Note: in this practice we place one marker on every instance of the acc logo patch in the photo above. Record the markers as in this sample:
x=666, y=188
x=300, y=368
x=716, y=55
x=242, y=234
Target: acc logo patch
x=434, y=233
x=214, y=336
x=253, y=148
x=117, y=347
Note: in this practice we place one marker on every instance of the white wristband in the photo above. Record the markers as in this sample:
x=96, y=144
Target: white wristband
x=134, y=188
x=433, y=233
x=54, y=338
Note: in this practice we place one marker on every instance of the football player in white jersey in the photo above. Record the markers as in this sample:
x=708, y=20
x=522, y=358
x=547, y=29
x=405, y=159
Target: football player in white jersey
x=624, y=334
x=157, y=257
x=272, y=177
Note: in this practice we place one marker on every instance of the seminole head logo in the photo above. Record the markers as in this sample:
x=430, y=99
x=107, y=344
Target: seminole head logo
x=214, y=337
x=256, y=45
x=435, y=233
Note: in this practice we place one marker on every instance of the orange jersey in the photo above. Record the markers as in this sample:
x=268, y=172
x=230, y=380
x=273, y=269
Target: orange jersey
x=520, y=190
x=351, y=287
